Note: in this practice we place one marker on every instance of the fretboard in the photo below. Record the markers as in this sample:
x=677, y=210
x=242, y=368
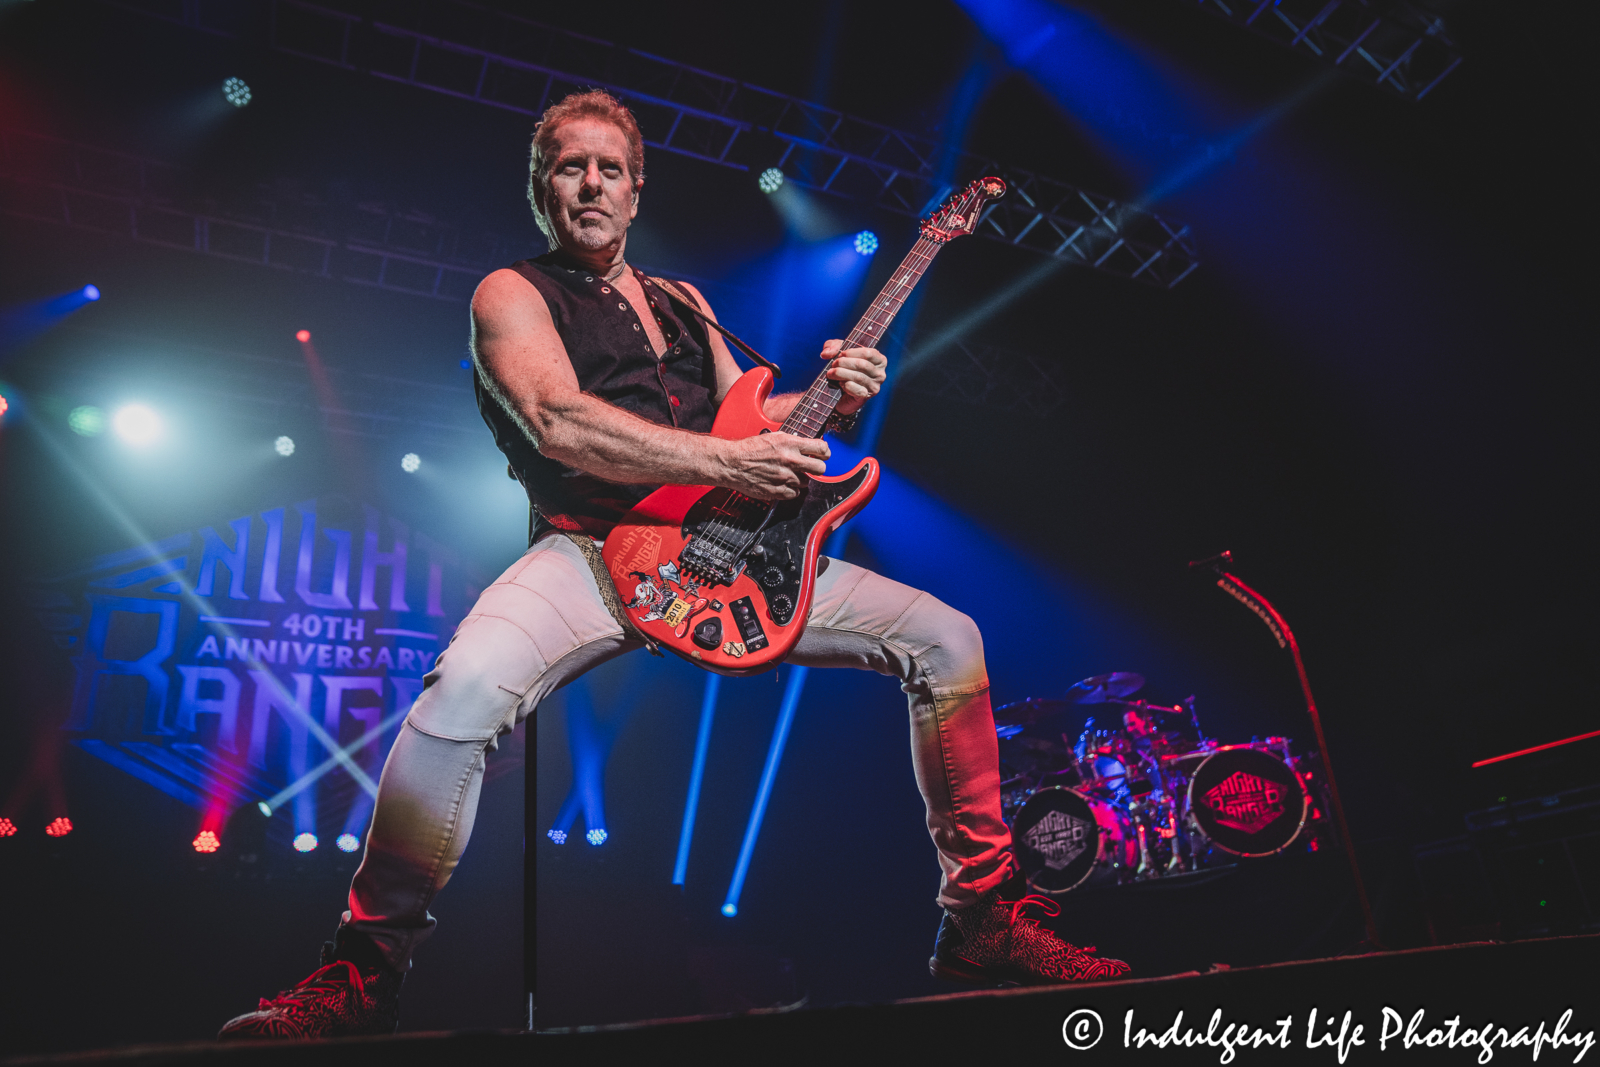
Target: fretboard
x=811, y=413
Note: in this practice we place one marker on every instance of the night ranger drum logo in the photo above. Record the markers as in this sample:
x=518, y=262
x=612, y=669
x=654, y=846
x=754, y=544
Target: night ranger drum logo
x=1245, y=802
x=1058, y=837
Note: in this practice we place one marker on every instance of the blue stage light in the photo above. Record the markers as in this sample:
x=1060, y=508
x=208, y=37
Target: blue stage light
x=558, y=836
x=466, y=364
x=708, y=707
x=866, y=242
x=284, y=446
x=347, y=842
x=596, y=837
x=771, y=180
x=264, y=808
x=91, y=292
x=410, y=462
x=305, y=842
x=236, y=92
x=136, y=424
x=730, y=910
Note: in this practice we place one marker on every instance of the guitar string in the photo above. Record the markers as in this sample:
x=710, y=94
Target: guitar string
x=811, y=413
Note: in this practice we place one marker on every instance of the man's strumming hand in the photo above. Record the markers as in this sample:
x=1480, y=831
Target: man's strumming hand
x=770, y=466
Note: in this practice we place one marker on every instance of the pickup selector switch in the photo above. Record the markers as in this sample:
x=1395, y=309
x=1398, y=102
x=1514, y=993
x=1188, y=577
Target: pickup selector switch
x=749, y=627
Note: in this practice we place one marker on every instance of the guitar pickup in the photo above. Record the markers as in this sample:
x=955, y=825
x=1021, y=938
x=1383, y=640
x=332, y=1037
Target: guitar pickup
x=748, y=625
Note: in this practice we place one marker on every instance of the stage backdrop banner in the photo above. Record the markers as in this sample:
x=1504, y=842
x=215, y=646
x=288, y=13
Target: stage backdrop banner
x=269, y=658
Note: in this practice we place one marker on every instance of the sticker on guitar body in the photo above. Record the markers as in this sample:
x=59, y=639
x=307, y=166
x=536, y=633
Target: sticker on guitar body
x=659, y=601
x=651, y=597
x=643, y=556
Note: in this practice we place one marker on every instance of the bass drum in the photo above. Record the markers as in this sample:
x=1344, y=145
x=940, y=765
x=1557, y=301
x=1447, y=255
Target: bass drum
x=1064, y=839
x=1247, y=801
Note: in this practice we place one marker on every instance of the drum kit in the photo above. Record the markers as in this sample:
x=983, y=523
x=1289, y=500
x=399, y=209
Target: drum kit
x=1142, y=793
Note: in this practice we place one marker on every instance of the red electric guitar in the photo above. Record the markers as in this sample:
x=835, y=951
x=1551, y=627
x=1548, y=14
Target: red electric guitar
x=724, y=580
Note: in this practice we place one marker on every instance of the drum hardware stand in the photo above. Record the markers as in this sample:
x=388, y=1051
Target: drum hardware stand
x=1263, y=608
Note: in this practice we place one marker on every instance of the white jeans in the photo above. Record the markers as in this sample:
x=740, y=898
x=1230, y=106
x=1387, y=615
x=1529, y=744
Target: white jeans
x=542, y=624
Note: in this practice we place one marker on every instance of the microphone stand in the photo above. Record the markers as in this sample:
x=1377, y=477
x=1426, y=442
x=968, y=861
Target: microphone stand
x=1268, y=614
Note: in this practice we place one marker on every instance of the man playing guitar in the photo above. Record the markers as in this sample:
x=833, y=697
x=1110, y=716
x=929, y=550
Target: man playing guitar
x=599, y=388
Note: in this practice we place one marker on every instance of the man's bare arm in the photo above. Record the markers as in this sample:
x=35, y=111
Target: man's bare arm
x=525, y=364
x=778, y=405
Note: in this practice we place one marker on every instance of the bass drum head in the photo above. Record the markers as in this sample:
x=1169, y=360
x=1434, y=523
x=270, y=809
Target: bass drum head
x=1248, y=802
x=1057, y=838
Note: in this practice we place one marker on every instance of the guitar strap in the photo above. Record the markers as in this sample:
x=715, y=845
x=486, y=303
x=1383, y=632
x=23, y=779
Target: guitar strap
x=569, y=528
x=683, y=299
x=608, y=589
x=585, y=543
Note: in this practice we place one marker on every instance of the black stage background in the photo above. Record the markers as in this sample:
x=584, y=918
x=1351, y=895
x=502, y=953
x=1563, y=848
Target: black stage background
x=1373, y=391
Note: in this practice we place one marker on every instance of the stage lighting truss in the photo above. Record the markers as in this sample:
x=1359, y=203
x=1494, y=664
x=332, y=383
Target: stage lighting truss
x=433, y=45
x=988, y=376
x=1400, y=46
x=48, y=179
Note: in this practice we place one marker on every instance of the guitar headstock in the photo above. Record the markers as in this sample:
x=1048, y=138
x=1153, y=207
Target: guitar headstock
x=959, y=215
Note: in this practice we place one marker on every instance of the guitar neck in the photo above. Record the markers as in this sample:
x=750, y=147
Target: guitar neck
x=811, y=413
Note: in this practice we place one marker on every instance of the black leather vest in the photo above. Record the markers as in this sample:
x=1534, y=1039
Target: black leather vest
x=613, y=359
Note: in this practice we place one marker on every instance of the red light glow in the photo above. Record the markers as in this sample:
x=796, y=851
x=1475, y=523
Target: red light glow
x=303, y=336
x=4, y=404
x=207, y=842
x=60, y=827
x=7, y=827
x=1537, y=748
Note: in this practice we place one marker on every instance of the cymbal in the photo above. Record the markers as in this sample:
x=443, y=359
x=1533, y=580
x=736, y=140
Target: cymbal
x=1031, y=711
x=1102, y=687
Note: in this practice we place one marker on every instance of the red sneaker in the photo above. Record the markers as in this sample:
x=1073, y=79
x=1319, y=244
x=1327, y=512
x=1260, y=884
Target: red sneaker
x=339, y=999
x=993, y=942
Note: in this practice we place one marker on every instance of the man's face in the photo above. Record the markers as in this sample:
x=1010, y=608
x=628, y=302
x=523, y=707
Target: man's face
x=591, y=198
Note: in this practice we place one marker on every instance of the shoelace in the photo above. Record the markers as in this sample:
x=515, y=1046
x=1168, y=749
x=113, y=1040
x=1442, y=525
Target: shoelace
x=319, y=982
x=1050, y=908
x=1045, y=904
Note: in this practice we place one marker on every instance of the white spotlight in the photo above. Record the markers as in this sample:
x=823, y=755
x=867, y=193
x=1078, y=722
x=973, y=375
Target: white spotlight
x=771, y=180
x=284, y=446
x=410, y=462
x=236, y=92
x=136, y=424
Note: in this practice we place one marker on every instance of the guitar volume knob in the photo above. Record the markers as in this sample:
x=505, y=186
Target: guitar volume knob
x=772, y=577
x=782, y=605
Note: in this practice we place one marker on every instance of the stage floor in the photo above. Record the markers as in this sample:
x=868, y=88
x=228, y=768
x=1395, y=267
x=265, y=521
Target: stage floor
x=1419, y=1005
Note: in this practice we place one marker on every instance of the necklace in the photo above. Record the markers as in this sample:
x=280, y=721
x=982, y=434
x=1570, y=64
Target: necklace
x=614, y=275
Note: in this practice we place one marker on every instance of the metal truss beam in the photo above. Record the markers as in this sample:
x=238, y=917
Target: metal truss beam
x=1393, y=44
x=48, y=179
x=989, y=376
x=462, y=50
